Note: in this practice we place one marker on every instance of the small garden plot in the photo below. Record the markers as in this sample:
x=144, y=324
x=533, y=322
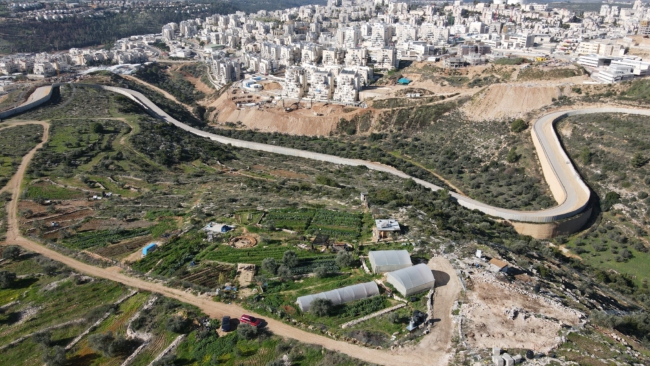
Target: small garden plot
x=173, y=256
x=46, y=191
x=308, y=265
x=289, y=218
x=125, y=247
x=336, y=224
x=248, y=217
x=253, y=255
x=102, y=238
x=211, y=276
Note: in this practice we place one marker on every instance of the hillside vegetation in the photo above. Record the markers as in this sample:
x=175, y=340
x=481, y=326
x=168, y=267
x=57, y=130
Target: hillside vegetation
x=611, y=153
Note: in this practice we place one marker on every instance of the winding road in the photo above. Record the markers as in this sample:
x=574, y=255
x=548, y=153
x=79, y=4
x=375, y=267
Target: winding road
x=568, y=189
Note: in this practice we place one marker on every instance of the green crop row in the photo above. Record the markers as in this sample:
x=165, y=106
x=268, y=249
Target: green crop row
x=102, y=238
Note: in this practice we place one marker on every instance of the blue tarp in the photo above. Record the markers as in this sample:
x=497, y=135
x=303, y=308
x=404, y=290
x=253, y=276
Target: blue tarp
x=149, y=248
x=403, y=81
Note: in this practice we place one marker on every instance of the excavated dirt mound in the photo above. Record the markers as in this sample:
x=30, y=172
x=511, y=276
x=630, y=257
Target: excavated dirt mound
x=500, y=315
x=511, y=101
x=241, y=242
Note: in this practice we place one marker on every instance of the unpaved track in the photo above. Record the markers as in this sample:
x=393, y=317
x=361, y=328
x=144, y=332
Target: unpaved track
x=432, y=350
x=27, y=158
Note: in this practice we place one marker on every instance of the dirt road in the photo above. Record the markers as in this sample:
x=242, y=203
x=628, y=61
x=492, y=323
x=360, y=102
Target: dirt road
x=18, y=177
x=431, y=351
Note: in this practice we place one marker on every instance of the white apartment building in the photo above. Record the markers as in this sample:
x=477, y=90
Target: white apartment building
x=295, y=82
x=321, y=85
x=385, y=58
x=311, y=54
x=348, y=84
x=600, y=48
x=226, y=71
x=381, y=34
x=356, y=57
x=333, y=56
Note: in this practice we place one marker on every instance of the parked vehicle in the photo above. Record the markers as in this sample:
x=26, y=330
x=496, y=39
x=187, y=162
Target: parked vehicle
x=247, y=319
x=225, y=324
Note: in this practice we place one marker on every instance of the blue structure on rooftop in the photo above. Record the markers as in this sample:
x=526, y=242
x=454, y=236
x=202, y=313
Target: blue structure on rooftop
x=148, y=249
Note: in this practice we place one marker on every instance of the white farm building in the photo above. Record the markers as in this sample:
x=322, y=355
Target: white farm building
x=411, y=280
x=341, y=295
x=389, y=260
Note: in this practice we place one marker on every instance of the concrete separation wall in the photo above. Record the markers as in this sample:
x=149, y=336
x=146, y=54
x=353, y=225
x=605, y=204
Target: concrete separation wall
x=38, y=97
x=571, y=193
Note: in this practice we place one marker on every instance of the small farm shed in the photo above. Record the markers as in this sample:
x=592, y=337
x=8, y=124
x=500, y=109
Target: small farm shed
x=389, y=260
x=497, y=265
x=411, y=280
x=383, y=229
x=341, y=295
x=148, y=249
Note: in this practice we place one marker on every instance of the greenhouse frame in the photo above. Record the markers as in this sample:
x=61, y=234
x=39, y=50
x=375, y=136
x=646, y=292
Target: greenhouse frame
x=389, y=260
x=411, y=280
x=341, y=295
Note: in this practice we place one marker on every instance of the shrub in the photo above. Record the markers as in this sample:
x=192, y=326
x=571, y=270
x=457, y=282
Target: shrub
x=101, y=342
x=11, y=252
x=178, y=325
x=284, y=272
x=247, y=331
x=512, y=156
x=321, y=307
x=43, y=338
x=611, y=198
x=7, y=279
x=55, y=356
x=321, y=272
x=270, y=265
x=344, y=259
x=638, y=160
x=290, y=259
x=97, y=127
x=395, y=317
x=518, y=125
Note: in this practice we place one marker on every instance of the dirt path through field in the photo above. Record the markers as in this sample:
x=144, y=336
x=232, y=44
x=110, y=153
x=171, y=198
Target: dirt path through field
x=431, y=351
x=27, y=158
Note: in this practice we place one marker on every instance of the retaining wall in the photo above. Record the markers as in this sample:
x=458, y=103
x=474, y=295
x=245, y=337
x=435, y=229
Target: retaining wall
x=46, y=92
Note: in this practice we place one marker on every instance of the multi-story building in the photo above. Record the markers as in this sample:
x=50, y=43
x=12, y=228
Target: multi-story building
x=385, y=58
x=356, y=57
x=348, y=84
x=226, y=70
x=332, y=56
x=295, y=82
x=311, y=54
x=321, y=86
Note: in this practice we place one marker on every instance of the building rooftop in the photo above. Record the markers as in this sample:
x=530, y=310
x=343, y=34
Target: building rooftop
x=387, y=225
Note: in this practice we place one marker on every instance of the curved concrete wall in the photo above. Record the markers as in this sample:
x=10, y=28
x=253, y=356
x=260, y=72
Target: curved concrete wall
x=568, y=189
x=38, y=97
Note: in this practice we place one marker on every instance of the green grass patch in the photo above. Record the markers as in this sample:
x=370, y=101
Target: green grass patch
x=102, y=238
x=52, y=192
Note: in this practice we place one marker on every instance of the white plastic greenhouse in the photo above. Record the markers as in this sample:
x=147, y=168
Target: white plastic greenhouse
x=411, y=280
x=341, y=295
x=389, y=260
